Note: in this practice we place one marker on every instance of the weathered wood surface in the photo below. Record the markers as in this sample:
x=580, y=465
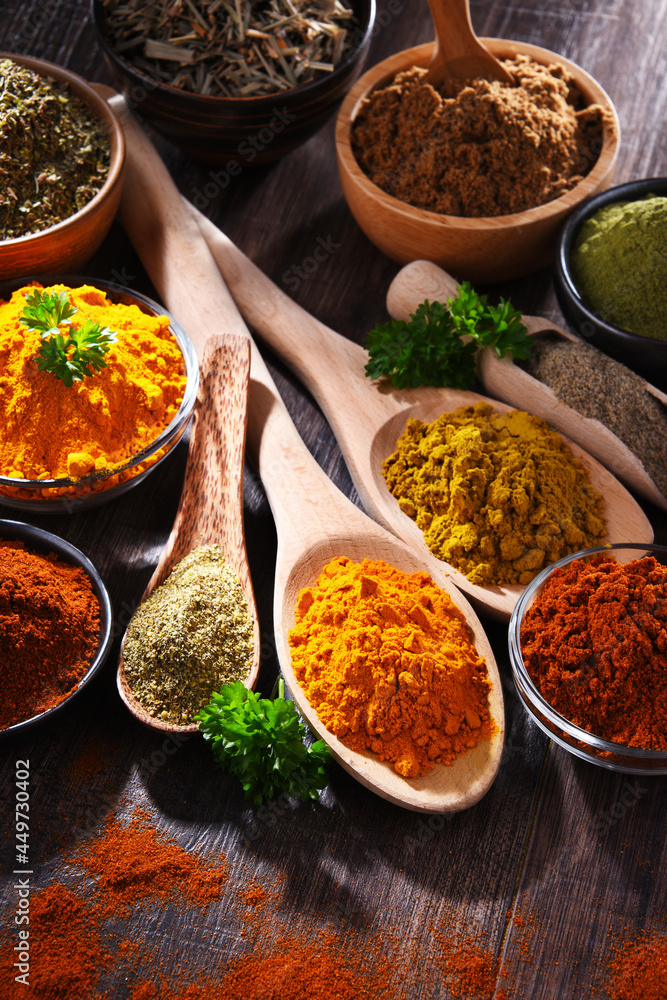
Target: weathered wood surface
x=573, y=849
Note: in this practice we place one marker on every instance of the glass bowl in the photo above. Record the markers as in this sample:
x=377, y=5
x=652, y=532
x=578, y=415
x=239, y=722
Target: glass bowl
x=613, y=756
x=43, y=542
x=72, y=495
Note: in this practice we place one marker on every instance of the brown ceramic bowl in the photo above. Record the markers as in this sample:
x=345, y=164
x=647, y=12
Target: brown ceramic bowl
x=476, y=249
x=69, y=245
x=237, y=131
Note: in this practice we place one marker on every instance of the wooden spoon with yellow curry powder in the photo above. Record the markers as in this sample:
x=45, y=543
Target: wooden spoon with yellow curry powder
x=367, y=418
x=314, y=521
x=508, y=381
x=211, y=506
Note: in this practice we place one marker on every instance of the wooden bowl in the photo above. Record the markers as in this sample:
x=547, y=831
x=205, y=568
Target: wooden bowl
x=477, y=249
x=644, y=355
x=236, y=131
x=69, y=245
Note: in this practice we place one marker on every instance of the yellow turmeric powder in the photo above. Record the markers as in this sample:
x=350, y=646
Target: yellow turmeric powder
x=51, y=430
x=498, y=496
x=388, y=662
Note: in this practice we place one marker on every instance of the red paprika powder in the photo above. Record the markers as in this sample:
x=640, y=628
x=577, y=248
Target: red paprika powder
x=595, y=645
x=49, y=623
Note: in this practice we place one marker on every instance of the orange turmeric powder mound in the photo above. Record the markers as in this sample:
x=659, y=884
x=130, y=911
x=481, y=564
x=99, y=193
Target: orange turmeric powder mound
x=388, y=662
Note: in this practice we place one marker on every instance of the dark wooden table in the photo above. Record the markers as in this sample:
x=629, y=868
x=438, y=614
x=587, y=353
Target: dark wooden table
x=577, y=852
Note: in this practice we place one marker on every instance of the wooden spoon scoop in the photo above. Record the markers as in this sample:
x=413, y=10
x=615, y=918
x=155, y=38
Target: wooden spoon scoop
x=504, y=380
x=188, y=282
x=367, y=418
x=315, y=522
x=459, y=54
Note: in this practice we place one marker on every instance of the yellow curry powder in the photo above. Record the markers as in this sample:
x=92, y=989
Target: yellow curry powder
x=498, y=496
x=388, y=662
x=53, y=431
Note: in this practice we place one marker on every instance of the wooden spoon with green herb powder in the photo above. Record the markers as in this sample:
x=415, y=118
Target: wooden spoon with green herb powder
x=612, y=412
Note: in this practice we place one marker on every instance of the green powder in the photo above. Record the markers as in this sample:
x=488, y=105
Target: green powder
x=192, y=635
x=619, y=265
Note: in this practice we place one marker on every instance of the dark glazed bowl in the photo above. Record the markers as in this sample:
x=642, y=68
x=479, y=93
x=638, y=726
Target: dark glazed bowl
x=238, y=131
x=43, y=542
x=69, y=245
x=644, y=355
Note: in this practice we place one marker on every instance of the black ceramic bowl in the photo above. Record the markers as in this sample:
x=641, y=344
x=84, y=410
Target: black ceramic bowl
x=645, y=355
x=43, y=542
x=241, y=131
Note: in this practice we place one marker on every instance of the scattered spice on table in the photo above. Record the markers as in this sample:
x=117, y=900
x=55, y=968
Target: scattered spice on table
x=52, y=430
x=49, y=624
x=54, y=157
x=619, y=265
x=132, y=862
x=218, y=49
x=389, y=664
x=497, y=495
x=638, y=970
x=484, y=149
x=600, y=388
x=594, y=641
x=193, y=634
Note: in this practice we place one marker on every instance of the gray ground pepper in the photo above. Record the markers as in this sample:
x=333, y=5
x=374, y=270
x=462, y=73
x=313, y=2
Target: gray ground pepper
x=603, y=389
x=193, y=634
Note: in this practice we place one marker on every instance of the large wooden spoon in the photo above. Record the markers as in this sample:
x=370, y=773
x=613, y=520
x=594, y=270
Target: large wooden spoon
x=459, y=54
x=504, y=380
x=315, y=522
x=189, y=284
x=367, y=419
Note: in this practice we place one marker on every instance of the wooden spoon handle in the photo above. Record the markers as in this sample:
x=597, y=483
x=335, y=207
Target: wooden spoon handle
x=212, y=499
x=415, y=283
x=459, y=54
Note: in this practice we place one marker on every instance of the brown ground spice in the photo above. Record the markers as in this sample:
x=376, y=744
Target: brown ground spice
x=490, y=149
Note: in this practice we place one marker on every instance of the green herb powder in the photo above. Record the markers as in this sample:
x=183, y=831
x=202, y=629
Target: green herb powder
x=619, y=265
x=192, y=635
x=53, y=157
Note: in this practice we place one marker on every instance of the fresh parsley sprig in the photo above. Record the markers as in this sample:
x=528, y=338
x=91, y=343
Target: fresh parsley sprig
x=430, y=349
x=69, y=356
x=260, y=740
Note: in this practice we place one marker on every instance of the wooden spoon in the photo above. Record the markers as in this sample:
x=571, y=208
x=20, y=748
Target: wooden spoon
x=459, y=54
x=315, y=523
x=188, y=282
x=367, y=418
x=504, y=380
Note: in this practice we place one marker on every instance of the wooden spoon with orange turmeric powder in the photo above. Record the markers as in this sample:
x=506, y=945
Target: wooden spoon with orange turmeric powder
x=314, y=521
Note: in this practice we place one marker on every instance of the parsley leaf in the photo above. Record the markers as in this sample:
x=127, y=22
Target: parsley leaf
x=429, y=349
x=69, y=358
x=260, y=740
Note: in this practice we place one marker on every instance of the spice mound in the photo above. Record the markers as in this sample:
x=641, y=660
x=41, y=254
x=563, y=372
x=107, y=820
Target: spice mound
x=498, y=496
x=243, y=50
x=488, y=149
x=53, y=157
x=594, y=642
x=389, y=664
x=193, y=634
x=619, y=265
x=49, y=624
x=98, y=424
x=603, y=389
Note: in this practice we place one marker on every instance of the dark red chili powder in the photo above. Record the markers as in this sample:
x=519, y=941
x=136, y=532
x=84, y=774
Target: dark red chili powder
x=639, y=969
x=49, y=623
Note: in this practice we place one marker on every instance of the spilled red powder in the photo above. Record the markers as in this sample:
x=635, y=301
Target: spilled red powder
x=255, y=895
x=66, y=953
x=133, y=861
x=639, y=969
